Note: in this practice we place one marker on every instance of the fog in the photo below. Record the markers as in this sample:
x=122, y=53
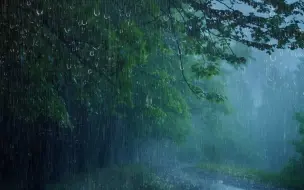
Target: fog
x=257, y=133
x=263, y=98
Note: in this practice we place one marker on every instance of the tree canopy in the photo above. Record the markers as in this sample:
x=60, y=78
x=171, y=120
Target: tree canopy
x=124, y=57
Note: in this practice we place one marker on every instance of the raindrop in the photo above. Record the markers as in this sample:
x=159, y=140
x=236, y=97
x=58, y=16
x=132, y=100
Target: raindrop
x=67, y=30
x=121, y=31
x=166, y=18
x=39, y=12
x=81, y=23
x=69, y=66
x=89, y=71
x=181, y=67
x=147, y=100
x=96, y=48
x=96, y=13
x=91, y=53
x=272, y=59
x=28, y=3
x=281, y=52
x=96, y=64
x=128, y=14
x=106, y=17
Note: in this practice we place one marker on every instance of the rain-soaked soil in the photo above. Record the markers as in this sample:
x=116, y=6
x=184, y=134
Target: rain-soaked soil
x=179, y=176
x=188, y=177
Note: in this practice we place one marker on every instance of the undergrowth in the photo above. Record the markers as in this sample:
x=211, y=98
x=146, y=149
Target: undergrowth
x=131, y=177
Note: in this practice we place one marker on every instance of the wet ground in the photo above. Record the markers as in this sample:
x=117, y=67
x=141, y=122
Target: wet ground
x=179, y=176
x=188, y=177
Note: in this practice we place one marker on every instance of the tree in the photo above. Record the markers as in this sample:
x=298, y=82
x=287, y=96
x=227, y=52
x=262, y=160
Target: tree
x=74, y=47
x=292, y=174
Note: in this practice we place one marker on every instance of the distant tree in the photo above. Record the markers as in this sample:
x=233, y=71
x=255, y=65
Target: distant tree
x=293, y=173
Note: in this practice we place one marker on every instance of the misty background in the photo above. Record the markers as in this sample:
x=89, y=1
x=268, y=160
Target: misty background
x=263, y=97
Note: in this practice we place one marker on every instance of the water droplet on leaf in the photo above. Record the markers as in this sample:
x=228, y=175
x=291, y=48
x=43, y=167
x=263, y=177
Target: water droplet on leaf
x=68, y=66
x=38, y=12
x=96, y=13
x=67, y=30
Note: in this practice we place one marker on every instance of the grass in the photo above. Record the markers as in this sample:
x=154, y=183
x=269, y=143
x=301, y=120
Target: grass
x=131, y=177
x=281, y=179
x=248, y=173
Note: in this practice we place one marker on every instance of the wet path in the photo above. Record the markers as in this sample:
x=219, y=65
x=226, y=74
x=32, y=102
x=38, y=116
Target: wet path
x=179, y=176
x=188, y=177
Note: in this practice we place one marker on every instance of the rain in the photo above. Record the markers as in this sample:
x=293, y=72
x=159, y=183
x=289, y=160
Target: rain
x=152, y=95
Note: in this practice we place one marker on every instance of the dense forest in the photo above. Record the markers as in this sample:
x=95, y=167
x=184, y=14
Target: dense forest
x=123, y=85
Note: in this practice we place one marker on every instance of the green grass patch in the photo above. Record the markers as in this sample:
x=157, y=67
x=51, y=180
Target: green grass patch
x=236, y=171
x=284, y=179
x=131, y=177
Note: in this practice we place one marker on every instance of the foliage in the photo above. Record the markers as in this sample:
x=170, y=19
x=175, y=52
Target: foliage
x=218, y=131
x=300, y=143
x=292, y=174
x=62, y=54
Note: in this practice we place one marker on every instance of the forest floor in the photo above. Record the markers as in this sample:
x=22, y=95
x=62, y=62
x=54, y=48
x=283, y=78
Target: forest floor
x=189, y=177
x=183, y=177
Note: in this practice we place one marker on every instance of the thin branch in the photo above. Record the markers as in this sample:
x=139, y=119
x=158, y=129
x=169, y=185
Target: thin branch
x=180, y=55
